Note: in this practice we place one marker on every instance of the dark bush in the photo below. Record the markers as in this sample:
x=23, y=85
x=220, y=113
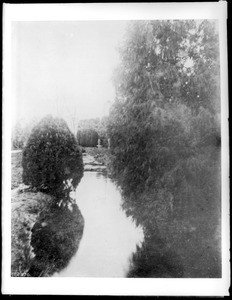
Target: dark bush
x=52, y=160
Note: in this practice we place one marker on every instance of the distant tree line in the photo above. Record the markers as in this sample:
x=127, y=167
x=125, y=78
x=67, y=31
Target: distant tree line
x=21, y=132
x=87, y=137
x=91, y=130
x=88, y=133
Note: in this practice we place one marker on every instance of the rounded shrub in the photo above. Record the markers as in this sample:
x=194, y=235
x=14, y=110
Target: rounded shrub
x=52, y=160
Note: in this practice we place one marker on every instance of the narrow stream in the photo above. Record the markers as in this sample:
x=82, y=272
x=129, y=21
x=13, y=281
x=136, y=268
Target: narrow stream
x=109, y=237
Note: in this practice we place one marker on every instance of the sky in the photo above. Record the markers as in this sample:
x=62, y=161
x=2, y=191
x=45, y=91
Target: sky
x=64, y=68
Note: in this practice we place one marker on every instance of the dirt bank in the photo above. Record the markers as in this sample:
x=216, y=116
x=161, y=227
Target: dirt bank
x=25, y=209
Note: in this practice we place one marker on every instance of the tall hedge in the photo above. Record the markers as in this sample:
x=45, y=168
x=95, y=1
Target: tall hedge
x=52, y=160
x=87, y=137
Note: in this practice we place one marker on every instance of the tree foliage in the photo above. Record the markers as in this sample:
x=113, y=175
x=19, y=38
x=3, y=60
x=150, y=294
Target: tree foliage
x=52, y=161
x=164, y=123
x=21, y=133
x=164, y=110
x=18, y=137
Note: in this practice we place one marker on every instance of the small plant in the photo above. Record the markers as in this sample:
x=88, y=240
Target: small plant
x=52, y=160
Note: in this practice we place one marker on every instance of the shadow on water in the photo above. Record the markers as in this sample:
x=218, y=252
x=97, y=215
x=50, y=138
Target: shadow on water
x=155, y=259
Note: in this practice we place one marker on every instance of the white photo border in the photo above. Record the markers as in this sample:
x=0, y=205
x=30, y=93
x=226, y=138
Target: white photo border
x=110, y=286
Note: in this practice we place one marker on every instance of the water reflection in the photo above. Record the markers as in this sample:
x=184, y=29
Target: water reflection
x=100, y=175
x=109, y=237
x=155, y=259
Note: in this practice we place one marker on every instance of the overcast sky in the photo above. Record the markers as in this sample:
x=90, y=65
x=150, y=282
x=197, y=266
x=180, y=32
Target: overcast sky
x=63, y=66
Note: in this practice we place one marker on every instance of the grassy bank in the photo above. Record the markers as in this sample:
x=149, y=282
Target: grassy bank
x=43, y=237
x=16, y=169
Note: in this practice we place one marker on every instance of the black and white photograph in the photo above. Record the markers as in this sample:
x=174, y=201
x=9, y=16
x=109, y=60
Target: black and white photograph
x=115, y=149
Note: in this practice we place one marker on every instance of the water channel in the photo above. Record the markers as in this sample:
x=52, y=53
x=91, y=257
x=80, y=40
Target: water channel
x=109, y=238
